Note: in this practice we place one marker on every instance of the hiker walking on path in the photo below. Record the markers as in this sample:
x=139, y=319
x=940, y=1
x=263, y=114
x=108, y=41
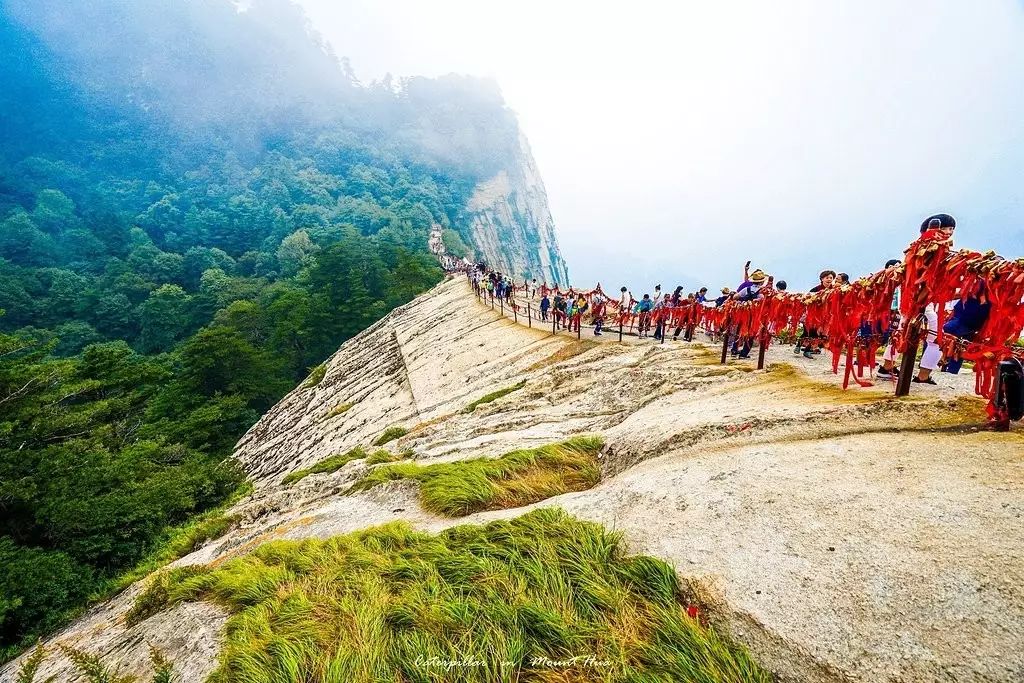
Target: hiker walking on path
x=643, y=310
x=545, y=304
x=661, y=309
x=598, y=313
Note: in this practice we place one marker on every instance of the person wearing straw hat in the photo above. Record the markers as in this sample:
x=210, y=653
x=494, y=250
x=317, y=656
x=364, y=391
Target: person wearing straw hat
x=750, y=289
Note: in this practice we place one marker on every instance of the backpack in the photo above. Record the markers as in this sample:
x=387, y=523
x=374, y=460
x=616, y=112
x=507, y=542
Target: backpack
x=1010, y=388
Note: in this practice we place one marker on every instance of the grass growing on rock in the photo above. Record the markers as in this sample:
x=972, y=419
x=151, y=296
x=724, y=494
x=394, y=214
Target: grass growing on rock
x=569, y=350
x=514, y=479
x=390, y=434
x=336, y=462
x=316, y=375
x=510, y=597
x=331, y=464
x=93, y=669
x=340, y=410
x=493, y=396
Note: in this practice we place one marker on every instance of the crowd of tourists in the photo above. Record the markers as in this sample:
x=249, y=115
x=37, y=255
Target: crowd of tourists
x=566, y=310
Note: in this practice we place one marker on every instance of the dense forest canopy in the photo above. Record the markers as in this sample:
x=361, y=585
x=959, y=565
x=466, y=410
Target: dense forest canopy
x=197, y=205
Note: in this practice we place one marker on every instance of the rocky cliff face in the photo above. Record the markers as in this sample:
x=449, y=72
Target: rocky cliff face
x=511, y=224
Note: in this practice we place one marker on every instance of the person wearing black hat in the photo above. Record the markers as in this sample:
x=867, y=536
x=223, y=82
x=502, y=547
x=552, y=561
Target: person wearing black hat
x=936, y=225
x=939, y=221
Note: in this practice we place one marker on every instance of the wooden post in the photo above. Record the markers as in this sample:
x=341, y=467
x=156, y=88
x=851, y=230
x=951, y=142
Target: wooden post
x=554, y=317
x=501, y=302
x=620, y=327
x=515, y=311
x=579, y=327
x=529, y=317
x=763, y=347
x=908, y=360
x=725, y=340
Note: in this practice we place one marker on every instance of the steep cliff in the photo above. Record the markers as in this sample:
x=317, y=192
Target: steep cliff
x=511, y=224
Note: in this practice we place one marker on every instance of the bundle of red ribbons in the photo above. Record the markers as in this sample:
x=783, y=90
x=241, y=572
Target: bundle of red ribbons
x=851, y=318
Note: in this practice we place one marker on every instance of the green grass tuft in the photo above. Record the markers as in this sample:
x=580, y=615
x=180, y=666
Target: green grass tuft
x=514, y=479
x=340, y=410
x=163, y=670
x=316, y=375
x=493, y=396
x=390, y=434
x=392, y=603
x=157, y=594
x=383, y=456
x=331, y=464
x=29, y=668
x=94, y=670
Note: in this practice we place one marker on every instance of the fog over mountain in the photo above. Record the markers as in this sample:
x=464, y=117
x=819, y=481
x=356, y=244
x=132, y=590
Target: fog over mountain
x=680, y=139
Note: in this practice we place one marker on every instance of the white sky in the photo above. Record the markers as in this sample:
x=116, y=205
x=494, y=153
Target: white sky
x=679, y=139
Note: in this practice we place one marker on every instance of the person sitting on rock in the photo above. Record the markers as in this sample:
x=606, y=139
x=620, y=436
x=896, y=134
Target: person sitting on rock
x=969, y=316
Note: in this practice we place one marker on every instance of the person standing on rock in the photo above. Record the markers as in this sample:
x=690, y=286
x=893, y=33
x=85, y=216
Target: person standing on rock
x=940, y=223
x=579, y=309
x=661, y=308
x=811, y=337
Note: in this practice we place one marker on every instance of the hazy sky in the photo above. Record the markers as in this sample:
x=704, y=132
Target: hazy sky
x=677, y=140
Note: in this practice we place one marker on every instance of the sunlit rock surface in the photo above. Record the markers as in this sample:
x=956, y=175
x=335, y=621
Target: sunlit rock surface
x=842, y=536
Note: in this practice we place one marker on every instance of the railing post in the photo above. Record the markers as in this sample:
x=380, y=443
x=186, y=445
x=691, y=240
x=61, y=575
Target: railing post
x=529, y=317
x=515, y=311
x=620, y=327
x=763, y=337
x=554, y=317
x=908, y=360
x=725, y=339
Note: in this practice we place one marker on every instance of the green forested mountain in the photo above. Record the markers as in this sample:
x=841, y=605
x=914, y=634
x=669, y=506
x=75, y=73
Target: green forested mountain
x=197, y=205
